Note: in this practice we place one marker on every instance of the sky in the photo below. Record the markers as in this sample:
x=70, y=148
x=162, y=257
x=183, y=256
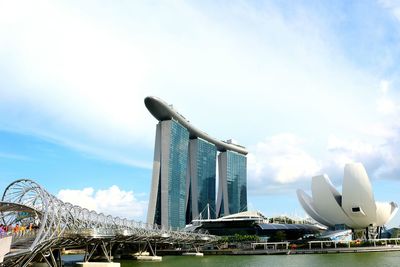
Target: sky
x=306, y=86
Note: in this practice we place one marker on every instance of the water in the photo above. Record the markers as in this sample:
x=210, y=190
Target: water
x=381, y=259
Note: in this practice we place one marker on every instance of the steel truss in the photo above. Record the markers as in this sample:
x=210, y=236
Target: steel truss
x=63, y=225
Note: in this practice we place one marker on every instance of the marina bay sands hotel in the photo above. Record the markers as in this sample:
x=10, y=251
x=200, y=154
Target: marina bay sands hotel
x=184, y=171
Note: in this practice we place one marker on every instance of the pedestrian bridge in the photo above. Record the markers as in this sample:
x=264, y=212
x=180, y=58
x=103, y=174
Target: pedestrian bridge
x=55, y=225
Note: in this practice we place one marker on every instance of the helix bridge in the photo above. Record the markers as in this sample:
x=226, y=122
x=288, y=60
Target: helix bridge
x=58, y=225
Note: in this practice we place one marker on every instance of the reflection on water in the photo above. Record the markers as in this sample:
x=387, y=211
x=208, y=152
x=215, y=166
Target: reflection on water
x=382, y=259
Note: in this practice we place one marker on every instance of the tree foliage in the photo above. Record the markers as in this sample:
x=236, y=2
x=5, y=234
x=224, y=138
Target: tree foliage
x=239, y=238
x=278, y=237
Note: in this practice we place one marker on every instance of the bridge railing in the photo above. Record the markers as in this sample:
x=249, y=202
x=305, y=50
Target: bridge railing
x=65, y=224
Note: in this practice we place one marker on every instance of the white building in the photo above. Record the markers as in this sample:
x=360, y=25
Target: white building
x=355, y=207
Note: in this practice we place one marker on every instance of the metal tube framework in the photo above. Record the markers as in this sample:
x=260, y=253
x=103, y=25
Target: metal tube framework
x=64, y=225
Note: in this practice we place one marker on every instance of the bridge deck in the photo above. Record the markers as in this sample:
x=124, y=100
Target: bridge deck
x=63, y=225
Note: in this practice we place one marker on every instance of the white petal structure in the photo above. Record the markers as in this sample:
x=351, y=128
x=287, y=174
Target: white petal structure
x=355, y=207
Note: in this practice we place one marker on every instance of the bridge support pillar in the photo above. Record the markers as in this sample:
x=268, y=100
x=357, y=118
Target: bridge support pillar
x=98, y=264
x=146, y=257
x=101, y=249
x=195, y=253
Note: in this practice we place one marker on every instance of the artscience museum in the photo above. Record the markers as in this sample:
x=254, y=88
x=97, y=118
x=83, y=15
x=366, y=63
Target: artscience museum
x=354, y=208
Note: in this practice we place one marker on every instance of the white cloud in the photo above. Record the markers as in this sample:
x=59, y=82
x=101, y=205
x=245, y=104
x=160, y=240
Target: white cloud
x=343, y=151
x=112, y=201
x=13, y=156
x=82, y=85
x=379, y=130
x=384, y=87
x=393, y=6
x=76, y=74
x=386, y=106
x=72, y=76
x=352, y=146
x=280, y=160
x=376, y=145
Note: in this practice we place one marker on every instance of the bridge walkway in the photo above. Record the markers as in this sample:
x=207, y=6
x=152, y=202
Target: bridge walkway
x=60, y=225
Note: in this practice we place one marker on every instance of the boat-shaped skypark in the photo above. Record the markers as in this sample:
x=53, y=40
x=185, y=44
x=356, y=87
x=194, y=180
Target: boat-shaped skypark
x=184, y=171
x=162, y=111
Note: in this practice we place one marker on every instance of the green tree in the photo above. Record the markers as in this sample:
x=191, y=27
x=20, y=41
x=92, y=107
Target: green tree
x=395, y=233
x=278, y=236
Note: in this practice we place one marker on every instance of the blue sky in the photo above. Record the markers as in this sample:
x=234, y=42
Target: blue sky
x=307, y=86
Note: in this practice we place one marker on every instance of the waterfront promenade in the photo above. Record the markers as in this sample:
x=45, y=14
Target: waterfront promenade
x=388, y=248
x=310, y=247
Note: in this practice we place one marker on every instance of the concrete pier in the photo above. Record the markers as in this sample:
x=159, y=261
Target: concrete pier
x=98, y=264
x=148, y=258
x=198, y=254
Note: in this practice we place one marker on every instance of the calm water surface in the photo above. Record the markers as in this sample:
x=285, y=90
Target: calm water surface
x=381, y=259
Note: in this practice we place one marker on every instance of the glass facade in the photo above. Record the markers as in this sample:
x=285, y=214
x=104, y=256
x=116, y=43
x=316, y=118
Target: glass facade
x=177, y=171
x=205, y=172
x=184, y=178
x=236, y=182
x=184, y=174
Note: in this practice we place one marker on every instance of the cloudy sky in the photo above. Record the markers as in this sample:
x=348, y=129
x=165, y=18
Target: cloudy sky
x=306, y=86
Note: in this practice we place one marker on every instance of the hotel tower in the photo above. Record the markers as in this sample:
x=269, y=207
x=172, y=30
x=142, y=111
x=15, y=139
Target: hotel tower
x=184, y=182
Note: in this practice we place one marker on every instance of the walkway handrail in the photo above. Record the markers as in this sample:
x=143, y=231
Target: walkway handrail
x=57, y=222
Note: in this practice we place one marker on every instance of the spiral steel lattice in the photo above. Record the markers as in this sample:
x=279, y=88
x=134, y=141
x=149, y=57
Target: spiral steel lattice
x=63, y=225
